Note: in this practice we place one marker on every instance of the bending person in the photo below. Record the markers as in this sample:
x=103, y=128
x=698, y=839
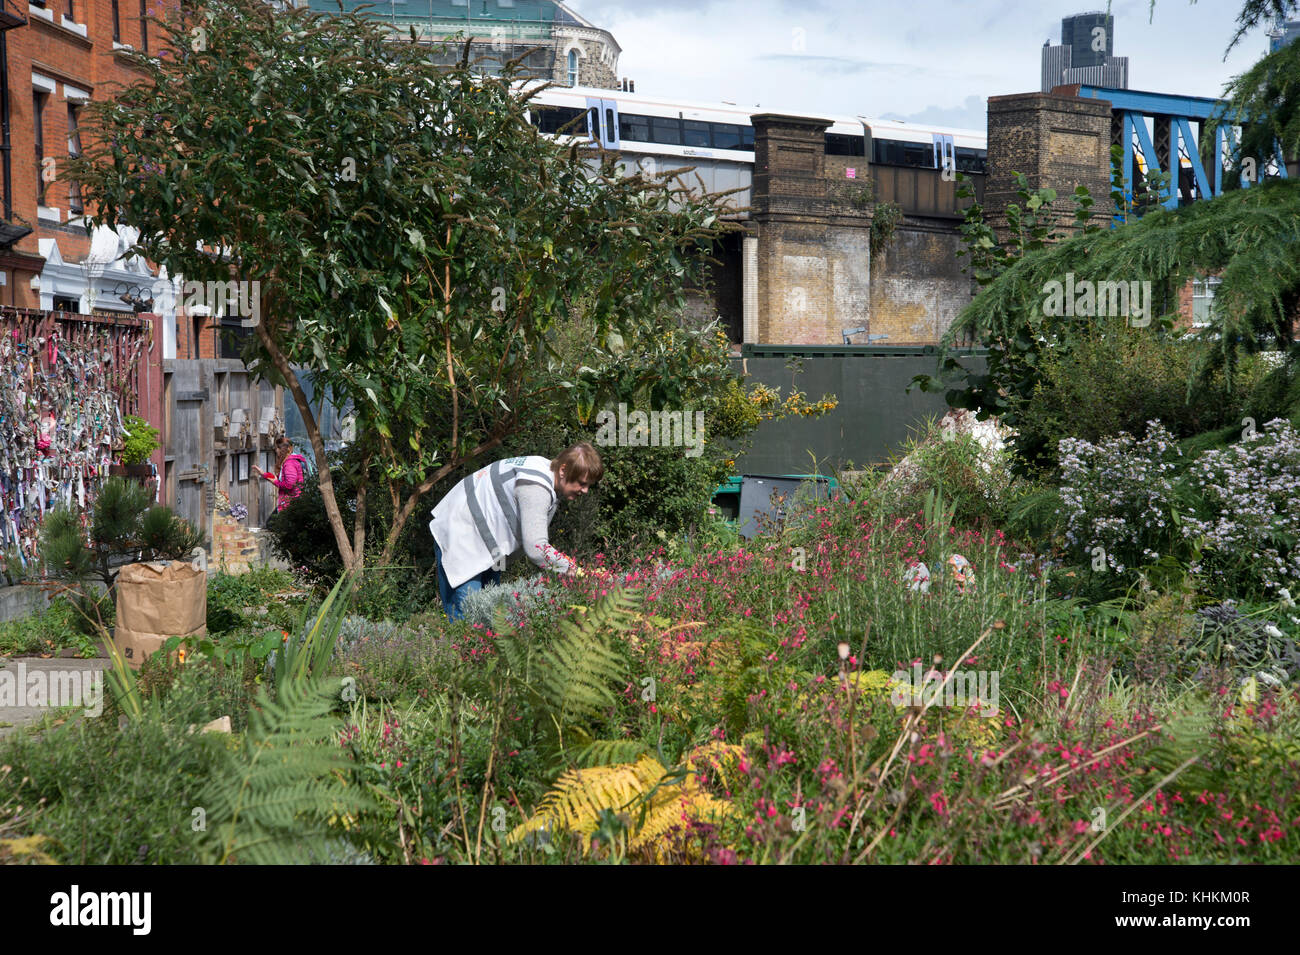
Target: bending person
x=501, y=509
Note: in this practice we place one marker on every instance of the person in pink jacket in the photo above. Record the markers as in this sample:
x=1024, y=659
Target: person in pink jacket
x=293, y=473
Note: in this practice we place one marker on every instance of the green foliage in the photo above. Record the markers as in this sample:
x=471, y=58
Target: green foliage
x=141, y=440
x=124, y=524
x=269, y=801
x=1246, y=237
x=110, y=795
x=974, y=480
x=1117, y=380
x=261, y=597
x=1034, y=513
x=885, y=220
x=413, y=236
x=570, y=679
x=647, y=493
x=306, y=654
x=395, y=590
x=46, y=631
x=1269, y=93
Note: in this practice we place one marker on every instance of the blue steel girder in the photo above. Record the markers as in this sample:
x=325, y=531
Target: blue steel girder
x=1132, y=107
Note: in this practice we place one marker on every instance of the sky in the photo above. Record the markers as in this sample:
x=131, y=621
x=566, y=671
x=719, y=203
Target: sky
x=924, y=61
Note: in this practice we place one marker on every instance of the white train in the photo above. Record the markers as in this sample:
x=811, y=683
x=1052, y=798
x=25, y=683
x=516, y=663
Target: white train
x=654, y=125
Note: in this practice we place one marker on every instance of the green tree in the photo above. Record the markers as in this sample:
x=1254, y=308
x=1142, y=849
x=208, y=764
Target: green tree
x=1249, y=238
x=412, y=236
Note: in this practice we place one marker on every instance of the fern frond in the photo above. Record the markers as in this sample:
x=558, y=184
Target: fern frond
x=579, y=670
x=269, y=801
x=610, y=752
x=675, y=813
x=659, y=800
x=580, y=794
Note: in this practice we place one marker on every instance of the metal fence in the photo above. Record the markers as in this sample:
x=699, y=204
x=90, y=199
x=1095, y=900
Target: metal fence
x=875, y=415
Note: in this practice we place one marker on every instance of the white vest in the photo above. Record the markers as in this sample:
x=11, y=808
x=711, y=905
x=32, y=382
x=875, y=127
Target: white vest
x=476, y=524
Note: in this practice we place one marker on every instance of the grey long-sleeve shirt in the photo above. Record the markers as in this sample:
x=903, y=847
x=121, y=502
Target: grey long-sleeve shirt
x=534, y=523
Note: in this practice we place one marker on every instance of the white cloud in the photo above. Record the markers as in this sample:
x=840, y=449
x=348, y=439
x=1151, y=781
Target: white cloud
x=931, y=60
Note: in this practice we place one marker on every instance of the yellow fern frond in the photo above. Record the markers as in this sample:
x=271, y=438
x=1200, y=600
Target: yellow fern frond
x=676, y=813
x=580, y=794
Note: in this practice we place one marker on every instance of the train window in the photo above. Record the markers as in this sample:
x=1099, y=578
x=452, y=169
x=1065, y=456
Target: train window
x=666, y=130
x=747, y=138
x=918, y=154
x=838, y=144
x=695, y=133
x=970, y=160
x=635, y=128
x=725, y=136
x=555, y=119
x=593, y=123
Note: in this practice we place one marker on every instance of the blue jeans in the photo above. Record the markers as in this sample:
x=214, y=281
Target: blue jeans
x=452, y=596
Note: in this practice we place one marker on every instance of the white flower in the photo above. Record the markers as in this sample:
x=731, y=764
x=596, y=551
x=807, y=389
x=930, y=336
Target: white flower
x=1272, y=631
x=1285, y=596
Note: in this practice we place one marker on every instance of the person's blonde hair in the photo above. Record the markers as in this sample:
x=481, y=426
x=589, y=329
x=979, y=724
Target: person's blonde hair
x=581, y=462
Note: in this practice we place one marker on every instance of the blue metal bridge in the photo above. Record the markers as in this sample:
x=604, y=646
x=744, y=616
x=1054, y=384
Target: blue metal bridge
x=1172, y=143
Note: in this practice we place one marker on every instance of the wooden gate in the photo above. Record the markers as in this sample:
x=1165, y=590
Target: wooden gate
x=220, y=425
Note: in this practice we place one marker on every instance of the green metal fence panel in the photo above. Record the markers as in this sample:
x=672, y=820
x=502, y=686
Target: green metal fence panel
x=875, y=415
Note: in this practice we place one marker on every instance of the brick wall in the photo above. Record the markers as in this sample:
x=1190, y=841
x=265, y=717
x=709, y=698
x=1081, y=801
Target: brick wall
x=1058, y=142
x=814, y=256
x=918, y=287
x=51, y=56
x=817, y=275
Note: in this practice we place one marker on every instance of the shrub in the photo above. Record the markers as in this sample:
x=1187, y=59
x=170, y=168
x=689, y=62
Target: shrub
x=301, y=535
x=517, y=598
x=1249, y=515
x=261, y=597
x=140, y=442
x=970, y=471
x=1117, y=382
x=1119, y=495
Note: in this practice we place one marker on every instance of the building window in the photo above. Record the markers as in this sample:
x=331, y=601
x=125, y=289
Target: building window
x=74, y=150
x=144, y=27
x=573, y=67
x=1203, y=301
x=38, y=120
x=117, y=24
x=70, y=12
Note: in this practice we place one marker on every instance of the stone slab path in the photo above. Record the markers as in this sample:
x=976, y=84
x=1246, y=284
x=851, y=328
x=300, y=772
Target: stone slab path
x=24, y=680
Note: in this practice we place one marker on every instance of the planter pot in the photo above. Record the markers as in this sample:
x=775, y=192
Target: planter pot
x=133, y=472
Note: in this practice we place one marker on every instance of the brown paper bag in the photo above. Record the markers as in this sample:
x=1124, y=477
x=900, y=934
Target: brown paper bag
x=156, y=601
x=162, y=598
x=136, y=647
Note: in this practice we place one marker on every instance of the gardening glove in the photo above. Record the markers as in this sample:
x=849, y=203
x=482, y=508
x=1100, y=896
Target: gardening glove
x=268, y=476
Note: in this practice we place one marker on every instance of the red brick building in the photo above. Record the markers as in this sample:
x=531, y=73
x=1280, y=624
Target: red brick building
x=55, y=56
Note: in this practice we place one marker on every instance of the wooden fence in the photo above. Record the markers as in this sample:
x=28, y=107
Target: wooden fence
x=219, y=427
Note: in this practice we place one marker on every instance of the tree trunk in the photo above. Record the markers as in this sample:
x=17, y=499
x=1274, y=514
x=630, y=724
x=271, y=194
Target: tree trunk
x=350, y=558
x=359, y=523
x=408, y=506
